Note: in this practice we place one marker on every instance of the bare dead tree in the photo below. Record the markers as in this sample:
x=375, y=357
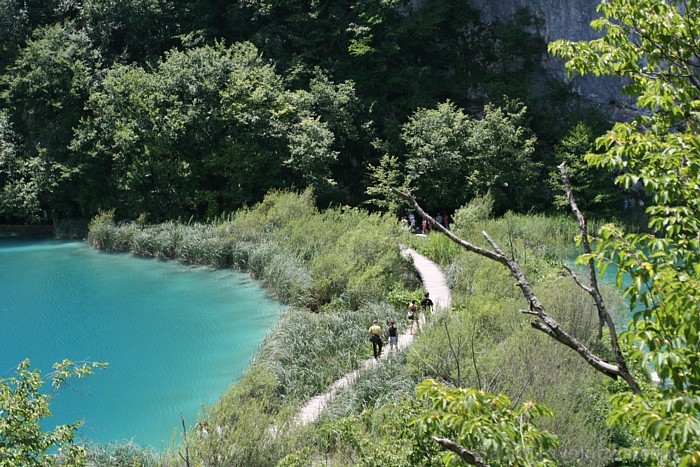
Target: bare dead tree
x=456, y=352
x=542, y=321
x=476, y=367
x=604, y=318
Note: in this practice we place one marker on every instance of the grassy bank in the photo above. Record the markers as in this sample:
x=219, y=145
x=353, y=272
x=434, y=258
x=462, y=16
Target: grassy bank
x=337, y=270
x=341, y=268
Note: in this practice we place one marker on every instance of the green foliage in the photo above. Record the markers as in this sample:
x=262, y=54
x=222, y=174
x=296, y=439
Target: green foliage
x=382, y=177
x=140, y=107
x=376, y=387
x=132, y=30
x=22, y=406
x=478, y=209
x=14, y=28
x=486, y=424
x=309, y=258
x=437, y=163
x=309, y=352
x=452, y=157
x=19, y=198
x=593, y=188
x=437, y=247
x=237, y=427
x=486, y=343
x=377, y=436
x=45, y=91
x=208, y=129
x=399, y=296
x=653, y=45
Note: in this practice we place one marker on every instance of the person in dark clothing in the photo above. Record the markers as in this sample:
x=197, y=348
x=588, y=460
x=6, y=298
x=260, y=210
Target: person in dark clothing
x=393, y=336
x=375, y=337
x=426, y=304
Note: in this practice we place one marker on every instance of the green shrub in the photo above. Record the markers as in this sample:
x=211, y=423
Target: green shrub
x=437, y=247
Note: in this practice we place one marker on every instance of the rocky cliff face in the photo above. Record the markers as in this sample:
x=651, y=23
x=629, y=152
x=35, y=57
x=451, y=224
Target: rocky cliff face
x=559, y=19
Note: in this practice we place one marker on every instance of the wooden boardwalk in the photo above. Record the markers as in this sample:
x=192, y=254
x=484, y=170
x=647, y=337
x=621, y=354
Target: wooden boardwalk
x=434, y=283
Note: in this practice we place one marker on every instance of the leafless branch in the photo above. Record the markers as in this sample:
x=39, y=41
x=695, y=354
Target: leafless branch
x=455, y=353
x=604, y=318
x=515, y=402
x=187, y=451
x=476, y=367
x=542, y=321
x=468, y=456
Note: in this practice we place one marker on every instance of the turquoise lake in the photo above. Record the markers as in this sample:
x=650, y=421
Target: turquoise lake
x=175, y=337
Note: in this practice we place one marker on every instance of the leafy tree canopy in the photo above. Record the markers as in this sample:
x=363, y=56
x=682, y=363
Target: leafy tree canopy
x=453, y=157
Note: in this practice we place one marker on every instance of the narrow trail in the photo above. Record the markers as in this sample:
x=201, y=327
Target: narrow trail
x=434, y=283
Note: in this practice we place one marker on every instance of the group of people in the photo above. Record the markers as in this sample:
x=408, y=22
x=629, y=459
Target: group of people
x=376, y=334
x=409, y=222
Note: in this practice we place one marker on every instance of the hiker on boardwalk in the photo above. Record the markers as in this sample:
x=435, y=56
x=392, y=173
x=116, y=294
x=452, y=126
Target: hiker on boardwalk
x=426, y=304
x=393, y=336
x=375, y=337
x=413, y=315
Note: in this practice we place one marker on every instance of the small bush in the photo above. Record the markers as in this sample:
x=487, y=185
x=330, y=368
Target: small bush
x=102, y=231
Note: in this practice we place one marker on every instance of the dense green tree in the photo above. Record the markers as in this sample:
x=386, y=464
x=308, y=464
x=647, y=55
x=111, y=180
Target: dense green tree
x=19, y=200
x=398, y=55
x=501, y=150
x=453, y=157
x=45, y=93
x=48, y=84
x=436, y=164
x=131, y=30
x=593, y=187
x=209, y=129
x=14, y=28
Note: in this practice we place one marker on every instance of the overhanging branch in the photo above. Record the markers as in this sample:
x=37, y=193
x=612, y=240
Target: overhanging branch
x=542, y=321
x=468, y=456
x=593, y=290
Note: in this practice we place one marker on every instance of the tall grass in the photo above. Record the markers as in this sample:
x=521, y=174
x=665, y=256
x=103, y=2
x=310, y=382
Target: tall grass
x=383, y=384
x=308, y=352
x=306, y=257
x=121, y=454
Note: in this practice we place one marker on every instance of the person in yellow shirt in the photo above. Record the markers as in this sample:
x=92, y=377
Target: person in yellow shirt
x=375, y=337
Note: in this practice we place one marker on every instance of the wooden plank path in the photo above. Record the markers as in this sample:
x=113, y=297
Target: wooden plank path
x=434, y=283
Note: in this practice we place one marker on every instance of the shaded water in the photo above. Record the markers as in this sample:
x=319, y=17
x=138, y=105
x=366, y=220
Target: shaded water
x=175, y=337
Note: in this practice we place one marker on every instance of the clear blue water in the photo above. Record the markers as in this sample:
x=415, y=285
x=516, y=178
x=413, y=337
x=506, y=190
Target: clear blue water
x=175, y=337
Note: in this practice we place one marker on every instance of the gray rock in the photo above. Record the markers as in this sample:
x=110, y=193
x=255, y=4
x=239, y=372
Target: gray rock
x=562, y=19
